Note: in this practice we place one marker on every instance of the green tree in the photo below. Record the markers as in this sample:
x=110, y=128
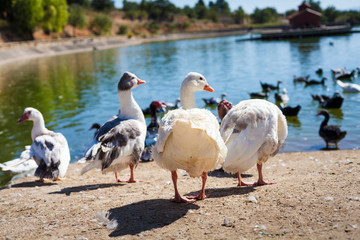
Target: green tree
x=220, y=6
x=315, y=5
x=101, y=24
x=102, y=4
x=130, y=6
x=330, y=14
x=188, y=11
x=55, y=15
x=264, y=15
x=76, y=17
x=240, y=16
x=289, y=12
x=200, y=10
x=27, y=14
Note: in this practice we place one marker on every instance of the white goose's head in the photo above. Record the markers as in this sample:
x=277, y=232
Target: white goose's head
x=129, y=81
x=30, y=114
x=193, y=82
x=196, y=82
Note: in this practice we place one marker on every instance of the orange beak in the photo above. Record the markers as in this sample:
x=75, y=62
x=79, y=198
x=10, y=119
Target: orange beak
x=208, y=88
x=139, y=81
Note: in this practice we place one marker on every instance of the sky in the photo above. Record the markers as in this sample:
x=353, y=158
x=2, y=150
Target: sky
x=280, y=5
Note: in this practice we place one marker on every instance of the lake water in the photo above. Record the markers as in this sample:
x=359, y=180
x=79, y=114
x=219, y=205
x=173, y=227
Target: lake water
x=74, y=91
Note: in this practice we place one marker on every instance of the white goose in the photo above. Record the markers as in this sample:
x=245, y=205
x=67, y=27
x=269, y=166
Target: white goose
x=253, y=130
x=349, y=87
x=120, y=141
x=189, y=137
x=49, y=149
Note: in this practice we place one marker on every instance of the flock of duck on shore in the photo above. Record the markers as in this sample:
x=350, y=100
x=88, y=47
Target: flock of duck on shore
x=187, y=137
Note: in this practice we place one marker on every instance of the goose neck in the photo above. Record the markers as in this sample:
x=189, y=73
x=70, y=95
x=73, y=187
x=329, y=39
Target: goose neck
x=187, y=98
x=128, y=106
x=325, y=121
x=38, y=128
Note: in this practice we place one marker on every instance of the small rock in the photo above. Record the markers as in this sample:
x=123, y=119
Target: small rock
x=329, y=198
x=354, y=198
x=354, y=226
x=252, y=199
x=227, y=223
x=260, y=227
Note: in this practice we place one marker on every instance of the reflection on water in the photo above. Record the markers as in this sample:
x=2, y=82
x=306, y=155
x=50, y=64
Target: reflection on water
x=74, y=91
x=336, y=113
x=293, y=121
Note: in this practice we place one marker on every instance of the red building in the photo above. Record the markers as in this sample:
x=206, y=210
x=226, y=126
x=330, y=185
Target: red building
x=305, y=17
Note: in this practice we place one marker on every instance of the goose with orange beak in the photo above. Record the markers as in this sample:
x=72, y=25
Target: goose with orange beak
x=119, y=143
x=189, y=138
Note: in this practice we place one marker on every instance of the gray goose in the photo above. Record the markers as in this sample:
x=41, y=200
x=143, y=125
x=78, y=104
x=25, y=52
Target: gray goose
x=119, y=143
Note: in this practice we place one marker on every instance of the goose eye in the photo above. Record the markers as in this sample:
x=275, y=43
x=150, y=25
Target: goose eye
x=201, y=78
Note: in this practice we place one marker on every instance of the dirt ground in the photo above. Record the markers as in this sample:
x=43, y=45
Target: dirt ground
x=316, y=196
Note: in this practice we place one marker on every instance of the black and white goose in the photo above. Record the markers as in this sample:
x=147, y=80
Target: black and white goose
x=49, y=149
x=346, y=75
x=120, y=141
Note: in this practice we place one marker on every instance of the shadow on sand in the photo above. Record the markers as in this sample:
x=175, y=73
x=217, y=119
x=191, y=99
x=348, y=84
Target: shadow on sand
x=67, y=191
x=30, y=185
x=146, y=215
x=220, y=173
x=223, y=192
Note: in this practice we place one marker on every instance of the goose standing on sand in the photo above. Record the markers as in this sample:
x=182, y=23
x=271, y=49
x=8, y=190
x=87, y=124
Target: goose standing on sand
x=349, y=87
x=253, y=130
x=120, y=141
x=49, y=149
x=189, y=138
x=330, y=133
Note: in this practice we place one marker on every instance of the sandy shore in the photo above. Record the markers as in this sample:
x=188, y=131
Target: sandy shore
x=316, y=196
x=11, y=52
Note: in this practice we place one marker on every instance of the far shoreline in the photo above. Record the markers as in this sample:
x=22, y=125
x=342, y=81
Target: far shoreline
x=11, y=52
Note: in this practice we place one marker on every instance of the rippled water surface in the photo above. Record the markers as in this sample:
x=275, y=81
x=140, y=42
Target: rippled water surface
x=74, y=91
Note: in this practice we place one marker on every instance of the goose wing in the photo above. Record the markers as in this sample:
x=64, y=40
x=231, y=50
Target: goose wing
x=120, y=140
x=48, y=148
